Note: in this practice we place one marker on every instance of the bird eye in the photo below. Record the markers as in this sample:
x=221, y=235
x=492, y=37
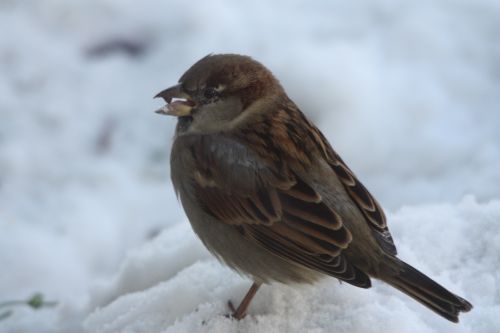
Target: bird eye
x=211, y=93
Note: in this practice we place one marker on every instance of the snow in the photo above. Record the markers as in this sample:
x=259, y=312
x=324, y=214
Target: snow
x=407, y=93
x=329, y=306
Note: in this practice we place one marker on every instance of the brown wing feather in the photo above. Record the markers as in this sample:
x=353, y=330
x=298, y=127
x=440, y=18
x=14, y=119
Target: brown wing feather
x=373, y=213
x=288, y=137
x=281, y=245
x=290, y=221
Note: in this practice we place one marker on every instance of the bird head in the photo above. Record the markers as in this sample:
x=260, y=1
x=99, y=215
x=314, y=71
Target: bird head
x=218, y=90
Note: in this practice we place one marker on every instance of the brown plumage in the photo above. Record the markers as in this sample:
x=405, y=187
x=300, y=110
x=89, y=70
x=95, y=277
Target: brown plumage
x=268, y=195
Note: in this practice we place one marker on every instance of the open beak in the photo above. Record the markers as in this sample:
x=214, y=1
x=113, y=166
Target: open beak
x=179, y=103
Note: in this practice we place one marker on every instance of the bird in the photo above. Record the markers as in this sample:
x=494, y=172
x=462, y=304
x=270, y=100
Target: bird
x=268, y=195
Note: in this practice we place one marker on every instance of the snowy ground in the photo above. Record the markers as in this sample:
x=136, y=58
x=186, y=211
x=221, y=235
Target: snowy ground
x=408, y=94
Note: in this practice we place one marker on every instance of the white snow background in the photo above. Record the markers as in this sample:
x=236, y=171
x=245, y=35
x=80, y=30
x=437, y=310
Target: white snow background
x=408, y=92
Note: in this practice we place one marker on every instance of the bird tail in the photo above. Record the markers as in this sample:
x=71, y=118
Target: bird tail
x=428, y=292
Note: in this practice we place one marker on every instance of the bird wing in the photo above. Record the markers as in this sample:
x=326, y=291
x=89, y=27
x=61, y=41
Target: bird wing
x=311, y=139
x=288, y=137
x=271, y=206
x=367, y=204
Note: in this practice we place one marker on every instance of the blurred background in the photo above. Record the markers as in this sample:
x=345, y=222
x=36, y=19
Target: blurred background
x=408, y=93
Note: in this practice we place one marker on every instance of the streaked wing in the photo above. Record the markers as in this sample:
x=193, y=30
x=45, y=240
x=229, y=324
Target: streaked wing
x=273, y=207
x=370, y=208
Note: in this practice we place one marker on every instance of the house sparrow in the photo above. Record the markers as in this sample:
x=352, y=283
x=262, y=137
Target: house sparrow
x=268, y=195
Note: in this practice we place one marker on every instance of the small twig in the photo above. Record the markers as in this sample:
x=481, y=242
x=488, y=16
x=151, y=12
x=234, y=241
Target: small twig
x=12, y=303
x=35, y=302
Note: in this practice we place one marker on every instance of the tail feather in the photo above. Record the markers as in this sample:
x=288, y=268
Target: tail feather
x=429, y=293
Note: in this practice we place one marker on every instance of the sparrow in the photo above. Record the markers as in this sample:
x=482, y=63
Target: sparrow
x=268, y=196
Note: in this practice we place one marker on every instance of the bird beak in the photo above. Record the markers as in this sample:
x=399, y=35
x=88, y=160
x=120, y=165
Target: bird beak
x=179, y=103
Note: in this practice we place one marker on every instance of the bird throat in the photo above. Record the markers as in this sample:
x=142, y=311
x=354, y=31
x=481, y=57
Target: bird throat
x=183, y=124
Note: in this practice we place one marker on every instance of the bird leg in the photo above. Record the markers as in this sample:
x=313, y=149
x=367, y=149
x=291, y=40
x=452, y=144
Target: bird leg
x=241, y=311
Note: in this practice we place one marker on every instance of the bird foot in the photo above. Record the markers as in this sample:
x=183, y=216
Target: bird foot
x=238, y=315
x=231, y=307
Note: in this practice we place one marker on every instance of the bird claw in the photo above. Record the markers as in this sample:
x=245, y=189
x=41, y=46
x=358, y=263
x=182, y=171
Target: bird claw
x=231, y=307
x=234, y=312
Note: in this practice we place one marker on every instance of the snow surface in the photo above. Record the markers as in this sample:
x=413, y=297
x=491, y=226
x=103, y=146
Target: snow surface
x=407, y=92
